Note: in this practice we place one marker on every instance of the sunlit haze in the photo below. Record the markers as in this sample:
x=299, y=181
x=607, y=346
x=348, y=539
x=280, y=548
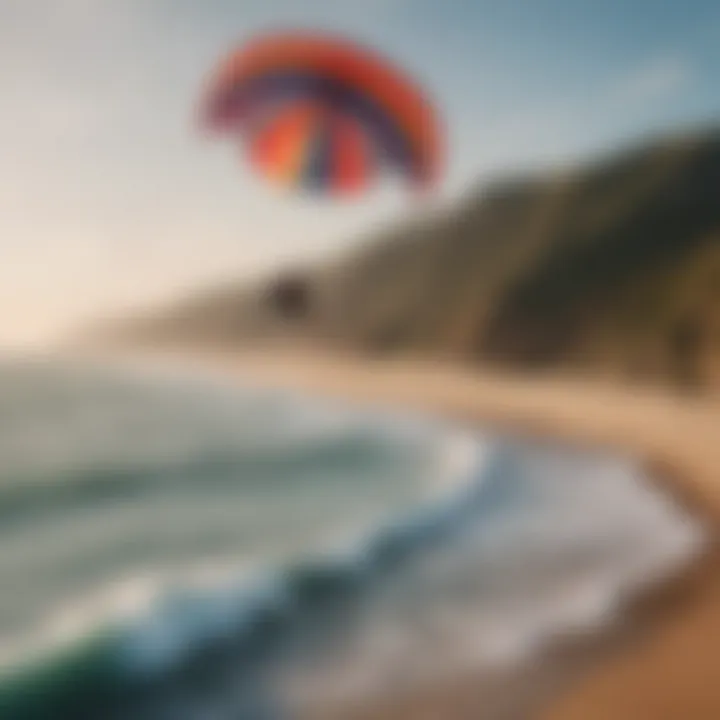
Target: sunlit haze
x=112, y=201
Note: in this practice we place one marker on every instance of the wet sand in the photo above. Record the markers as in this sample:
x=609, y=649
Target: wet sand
x=662, y=661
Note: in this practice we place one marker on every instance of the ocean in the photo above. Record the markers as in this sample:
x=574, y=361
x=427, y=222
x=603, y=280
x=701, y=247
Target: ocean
x=181, y=546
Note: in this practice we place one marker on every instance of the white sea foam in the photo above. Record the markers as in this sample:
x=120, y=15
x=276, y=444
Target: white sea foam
x=467, y=551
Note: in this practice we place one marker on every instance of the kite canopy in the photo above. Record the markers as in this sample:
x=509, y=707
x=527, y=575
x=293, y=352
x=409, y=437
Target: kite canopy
x=324, y=113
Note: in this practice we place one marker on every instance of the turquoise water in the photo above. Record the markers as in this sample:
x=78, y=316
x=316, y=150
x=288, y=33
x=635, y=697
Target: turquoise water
x=176, y=546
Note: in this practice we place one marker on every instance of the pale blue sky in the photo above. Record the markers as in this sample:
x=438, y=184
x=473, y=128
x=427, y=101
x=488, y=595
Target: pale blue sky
x=109, y=200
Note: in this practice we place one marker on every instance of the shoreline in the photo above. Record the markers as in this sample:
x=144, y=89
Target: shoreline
x=659, y=662
x=651, y=666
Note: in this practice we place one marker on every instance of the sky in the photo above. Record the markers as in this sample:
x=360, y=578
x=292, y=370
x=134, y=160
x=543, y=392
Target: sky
x=111, y=202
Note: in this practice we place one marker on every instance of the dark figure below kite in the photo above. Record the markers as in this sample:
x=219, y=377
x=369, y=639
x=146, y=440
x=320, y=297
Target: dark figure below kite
x=324, y=114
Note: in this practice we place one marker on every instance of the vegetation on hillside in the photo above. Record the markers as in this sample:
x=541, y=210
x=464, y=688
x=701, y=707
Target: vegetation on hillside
x=611, y=268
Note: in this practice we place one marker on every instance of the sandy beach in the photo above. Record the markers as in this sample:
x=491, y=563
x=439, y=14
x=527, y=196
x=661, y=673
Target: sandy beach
x=662, y=665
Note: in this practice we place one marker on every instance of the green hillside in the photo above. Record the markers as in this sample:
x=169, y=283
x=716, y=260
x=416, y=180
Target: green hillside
x=611, y=268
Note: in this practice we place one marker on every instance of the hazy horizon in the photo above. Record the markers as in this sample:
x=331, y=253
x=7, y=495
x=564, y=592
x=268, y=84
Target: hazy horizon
x=114, y=201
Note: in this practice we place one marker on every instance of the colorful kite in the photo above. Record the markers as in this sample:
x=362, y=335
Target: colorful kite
x=325, y=114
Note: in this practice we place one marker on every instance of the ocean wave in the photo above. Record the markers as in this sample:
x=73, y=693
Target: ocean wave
x=148, y=629
x=248, y=623
x=276, y=463
x=438, y=549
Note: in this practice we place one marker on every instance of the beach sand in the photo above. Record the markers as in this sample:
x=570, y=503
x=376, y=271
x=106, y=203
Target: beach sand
x=662, y=663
